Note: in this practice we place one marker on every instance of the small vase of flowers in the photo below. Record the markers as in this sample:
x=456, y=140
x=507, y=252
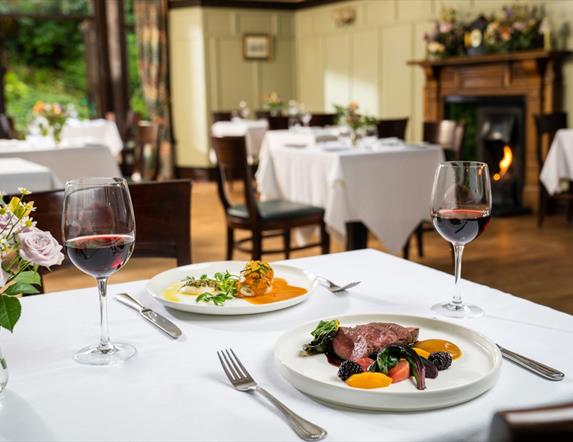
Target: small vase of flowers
x=273, y=103
x=51, y=119
x=351, y=118
x=23, y=250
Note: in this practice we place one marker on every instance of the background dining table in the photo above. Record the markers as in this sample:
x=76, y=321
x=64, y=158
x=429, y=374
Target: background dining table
x=64, y=162
x=16, y=173
x=558, y=164
x=253, y=131
x=176, y=389
x=366, y=184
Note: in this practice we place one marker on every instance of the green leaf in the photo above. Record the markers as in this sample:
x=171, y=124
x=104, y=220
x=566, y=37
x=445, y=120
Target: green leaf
x=29, y=277
x=10, y=310
x=21, y=288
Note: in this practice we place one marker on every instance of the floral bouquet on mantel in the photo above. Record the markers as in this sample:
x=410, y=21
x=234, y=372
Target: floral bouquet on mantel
x=51, y=119
x=273, y=103
x=23, y=249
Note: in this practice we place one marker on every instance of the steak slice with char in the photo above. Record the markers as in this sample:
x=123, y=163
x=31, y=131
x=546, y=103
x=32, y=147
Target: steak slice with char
x=352, y=343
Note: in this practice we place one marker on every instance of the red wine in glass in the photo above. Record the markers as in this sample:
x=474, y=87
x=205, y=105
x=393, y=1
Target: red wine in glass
x=461, y=226
x=100, y=255
x=461, y=210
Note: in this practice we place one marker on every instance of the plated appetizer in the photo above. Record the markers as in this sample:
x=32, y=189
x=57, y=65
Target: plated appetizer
x=378, y=354
x=256, y=284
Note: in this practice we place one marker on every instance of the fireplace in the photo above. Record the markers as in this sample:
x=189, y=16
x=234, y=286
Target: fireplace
x=519, y=85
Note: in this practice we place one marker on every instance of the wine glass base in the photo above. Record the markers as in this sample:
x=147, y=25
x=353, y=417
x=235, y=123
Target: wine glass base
x=452, y=310
x=95, y=355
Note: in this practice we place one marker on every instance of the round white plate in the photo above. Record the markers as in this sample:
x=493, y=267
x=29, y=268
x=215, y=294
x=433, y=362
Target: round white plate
x=293, y=275
x=475, y=372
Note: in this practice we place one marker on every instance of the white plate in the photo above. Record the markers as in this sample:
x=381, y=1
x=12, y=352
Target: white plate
x=475, y=372
x=293, y=275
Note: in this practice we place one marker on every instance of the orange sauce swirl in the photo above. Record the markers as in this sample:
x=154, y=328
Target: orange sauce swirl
x=280, y=291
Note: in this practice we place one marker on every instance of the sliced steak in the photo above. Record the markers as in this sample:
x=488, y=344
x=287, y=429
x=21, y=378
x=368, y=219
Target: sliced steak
x=362, y=340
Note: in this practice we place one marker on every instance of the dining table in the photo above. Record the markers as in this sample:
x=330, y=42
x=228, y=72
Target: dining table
x=253, y=131
x=558, y=165
x=100, y=132
x=361, y=187
x=175, y=390
x=16, y=173
x=64, y=162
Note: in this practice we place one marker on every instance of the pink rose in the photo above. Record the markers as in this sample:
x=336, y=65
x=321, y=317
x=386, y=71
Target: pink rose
x=40, y=247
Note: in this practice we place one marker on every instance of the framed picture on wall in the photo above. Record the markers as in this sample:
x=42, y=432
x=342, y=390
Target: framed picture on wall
x=257, y=47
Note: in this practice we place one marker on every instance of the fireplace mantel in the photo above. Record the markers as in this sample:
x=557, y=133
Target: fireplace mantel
x=534, y=75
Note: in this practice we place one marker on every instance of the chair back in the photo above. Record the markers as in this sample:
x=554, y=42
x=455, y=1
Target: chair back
x=323, y=120
x=392, y=128
x=552, y=423
x=547, y=124
x=279, y=122
x=147, y=149
x=221, y=116
x=158, y=234
x=262, y=114
x=447, y=133
x=232, y=164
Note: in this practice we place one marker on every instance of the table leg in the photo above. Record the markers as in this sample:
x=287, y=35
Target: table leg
x=356, y=236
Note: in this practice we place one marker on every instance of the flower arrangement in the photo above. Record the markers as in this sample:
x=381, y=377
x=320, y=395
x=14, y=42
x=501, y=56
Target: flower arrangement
x=513, y=28
x=446, y=39
x=273, y=103
x=52, y=118
x=23, y=249
x=349, y=116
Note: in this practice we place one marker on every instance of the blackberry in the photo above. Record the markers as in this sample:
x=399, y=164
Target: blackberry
x=441, y=359
x=348, y=368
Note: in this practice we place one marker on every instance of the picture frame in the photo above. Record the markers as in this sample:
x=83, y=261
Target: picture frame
x=257, y=47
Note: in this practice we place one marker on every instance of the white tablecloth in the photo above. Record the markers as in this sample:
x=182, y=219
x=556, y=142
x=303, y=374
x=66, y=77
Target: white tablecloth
x=65, y=162
x=559, y=162
x=99, y=132
x=252, y=130
x=176, y=390
x=388, y=187
x=16, y=172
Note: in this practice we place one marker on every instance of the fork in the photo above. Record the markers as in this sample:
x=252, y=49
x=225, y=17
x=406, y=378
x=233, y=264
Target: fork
x=335, y=288
x=243, y=381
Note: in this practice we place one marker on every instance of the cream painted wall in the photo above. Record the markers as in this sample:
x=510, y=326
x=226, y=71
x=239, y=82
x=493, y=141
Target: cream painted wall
x=209, y=73
x=366, y=61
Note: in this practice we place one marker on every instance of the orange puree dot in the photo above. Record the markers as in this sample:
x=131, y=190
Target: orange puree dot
x=369, y=380
x=432, y=345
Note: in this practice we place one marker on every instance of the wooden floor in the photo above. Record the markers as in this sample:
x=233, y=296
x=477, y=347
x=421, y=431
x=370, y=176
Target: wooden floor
x=513, y=255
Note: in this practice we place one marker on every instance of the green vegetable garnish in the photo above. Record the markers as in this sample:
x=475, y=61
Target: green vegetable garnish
x=323, y=335
x=390, y=356
x=224, y=284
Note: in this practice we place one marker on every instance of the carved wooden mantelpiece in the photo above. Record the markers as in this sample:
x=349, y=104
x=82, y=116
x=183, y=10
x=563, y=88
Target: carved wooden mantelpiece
x=534, y=75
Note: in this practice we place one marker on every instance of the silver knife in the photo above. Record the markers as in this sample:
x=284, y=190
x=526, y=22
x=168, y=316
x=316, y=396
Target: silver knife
x=156, y=319
x=531, y=365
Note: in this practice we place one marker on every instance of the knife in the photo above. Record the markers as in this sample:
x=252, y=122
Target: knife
x=156, y=319
x=531, y=365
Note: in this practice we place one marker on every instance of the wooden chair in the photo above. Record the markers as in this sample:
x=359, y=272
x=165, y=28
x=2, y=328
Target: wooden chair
x=447, y=133
x=553, y=423
x=279, y=122
x=159, y=231
x=221, y=116
x=392, y=128
x=262, y=114
x=548, y=125
x=263, y=219
x=323, y=120
x=147, y=150
x=128, y=136
x=450, y=135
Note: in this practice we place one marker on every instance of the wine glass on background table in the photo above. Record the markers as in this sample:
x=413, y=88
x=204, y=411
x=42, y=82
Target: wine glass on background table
x=461, y=211
x=99, y=235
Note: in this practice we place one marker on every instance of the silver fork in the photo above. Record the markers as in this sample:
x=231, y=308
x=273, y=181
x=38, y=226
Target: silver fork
x=243, y=381
x=335, y=288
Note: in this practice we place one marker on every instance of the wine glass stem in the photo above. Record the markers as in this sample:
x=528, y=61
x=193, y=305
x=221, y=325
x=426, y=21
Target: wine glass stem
x=104, y=344
x=458, y=253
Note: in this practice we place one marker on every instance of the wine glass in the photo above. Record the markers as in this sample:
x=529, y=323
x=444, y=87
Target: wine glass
x=461, y=210
x=99, y=235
